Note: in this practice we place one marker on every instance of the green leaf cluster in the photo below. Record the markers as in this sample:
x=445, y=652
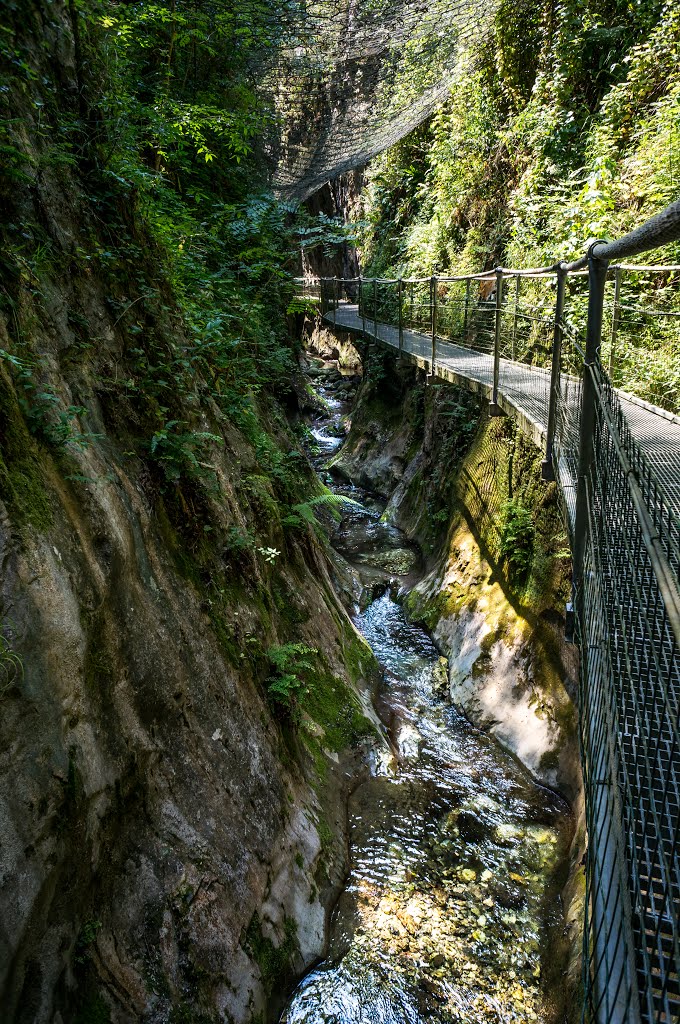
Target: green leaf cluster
x=179, y=451
x=304, y=512
x=290, y=665
x=563, y=125
x=517, y=537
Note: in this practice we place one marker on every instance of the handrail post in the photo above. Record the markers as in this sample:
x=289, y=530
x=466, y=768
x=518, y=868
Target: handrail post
x=494, y=408
x=597, y=278
x=362, y=307
x=467, y=309
x=401, y=318
x=433, y=320
x=514, y=319
x=375, y=308
x=547, y=468
x=335, y=301
x=615, y=317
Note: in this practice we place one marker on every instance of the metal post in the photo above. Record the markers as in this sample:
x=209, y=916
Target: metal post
x=615, y=317
x=362, y=306
x=467, y=308
x=494, y=408
x=547, y=468
x=400, y=286
x=433, y=319
x=335, y=300
x=375, y=308
x=514, y=319
x=597, y=278
x=412, y=322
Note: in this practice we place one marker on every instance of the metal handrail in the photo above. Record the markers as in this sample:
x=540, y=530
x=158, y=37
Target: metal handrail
x=488, y=275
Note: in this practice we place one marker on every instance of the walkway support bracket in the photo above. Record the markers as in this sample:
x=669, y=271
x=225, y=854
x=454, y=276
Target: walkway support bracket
x=547, y=466
x=494, y=407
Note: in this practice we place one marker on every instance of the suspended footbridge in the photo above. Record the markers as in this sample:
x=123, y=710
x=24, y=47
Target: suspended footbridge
x=544, y=346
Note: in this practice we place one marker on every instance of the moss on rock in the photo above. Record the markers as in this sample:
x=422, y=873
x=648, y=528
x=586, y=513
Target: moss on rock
x=22, y=483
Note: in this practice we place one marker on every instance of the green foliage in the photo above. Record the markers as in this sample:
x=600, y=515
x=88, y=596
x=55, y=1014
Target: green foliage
x=563, y=125
x=275, y=962
x=238, y=542
x=22, y=485
x=180, y=451
x=289, y=668
x=48, y=420
x=517, y=538
x=167, y=142
x=304, y=304
x=86, y=939
x=327, y=233
x=46, y=416
x=303, y=513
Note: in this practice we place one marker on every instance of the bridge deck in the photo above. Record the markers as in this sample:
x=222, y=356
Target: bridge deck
x=524, y=392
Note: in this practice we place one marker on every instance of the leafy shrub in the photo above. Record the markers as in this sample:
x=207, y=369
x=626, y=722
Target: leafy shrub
x=304, y=511
x=517, y=537
x=239, y=541
x=180, y=451
x=286, y=684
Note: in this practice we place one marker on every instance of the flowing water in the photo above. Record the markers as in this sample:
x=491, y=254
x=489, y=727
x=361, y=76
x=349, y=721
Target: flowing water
x=451, y=905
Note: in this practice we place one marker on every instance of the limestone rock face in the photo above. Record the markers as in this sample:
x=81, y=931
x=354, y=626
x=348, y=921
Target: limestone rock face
x=499, y=670
x=168, y=845
x=331, y=344
x=147, y=815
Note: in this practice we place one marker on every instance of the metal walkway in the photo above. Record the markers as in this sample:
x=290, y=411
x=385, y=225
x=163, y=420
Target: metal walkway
x=524, y=391
x=532, y=342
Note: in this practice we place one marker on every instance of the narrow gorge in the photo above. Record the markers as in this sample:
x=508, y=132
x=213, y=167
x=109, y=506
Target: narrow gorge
x=461, y=859
x=289, y=697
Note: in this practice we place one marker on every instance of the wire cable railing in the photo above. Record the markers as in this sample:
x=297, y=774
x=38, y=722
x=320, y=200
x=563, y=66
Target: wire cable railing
x=564, y=349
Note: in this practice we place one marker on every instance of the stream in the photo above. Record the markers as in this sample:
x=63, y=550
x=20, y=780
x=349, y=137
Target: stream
x=451, y=911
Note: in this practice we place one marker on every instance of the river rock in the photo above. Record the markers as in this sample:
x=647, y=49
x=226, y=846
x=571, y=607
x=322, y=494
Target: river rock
x=440, y=677
x=396, y=561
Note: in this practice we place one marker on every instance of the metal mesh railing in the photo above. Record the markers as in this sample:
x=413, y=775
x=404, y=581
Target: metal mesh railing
x=629, y=701
x=551, y=344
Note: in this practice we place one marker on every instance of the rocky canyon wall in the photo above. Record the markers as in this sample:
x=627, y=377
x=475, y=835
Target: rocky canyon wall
x=171, y=838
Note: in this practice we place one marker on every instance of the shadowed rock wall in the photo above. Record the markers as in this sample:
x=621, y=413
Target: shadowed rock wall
x=170, y=841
